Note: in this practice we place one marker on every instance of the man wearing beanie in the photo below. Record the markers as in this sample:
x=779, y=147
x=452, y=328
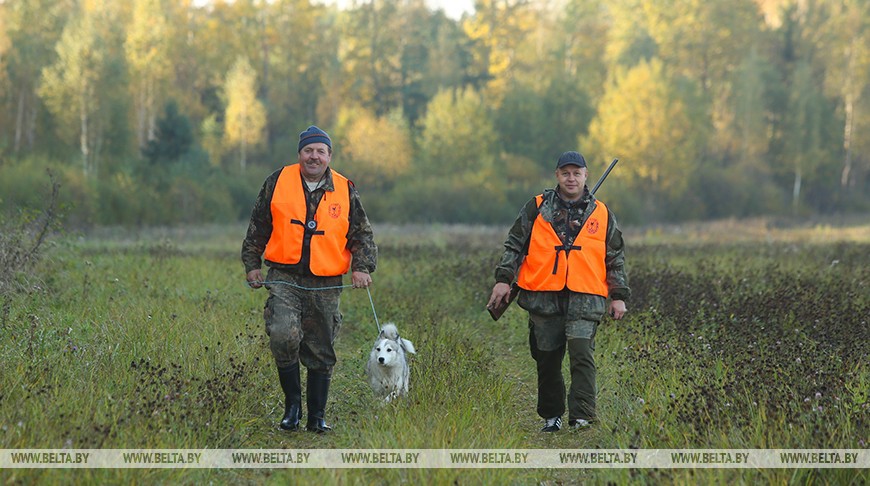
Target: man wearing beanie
x=565, y=253
x=310, y=228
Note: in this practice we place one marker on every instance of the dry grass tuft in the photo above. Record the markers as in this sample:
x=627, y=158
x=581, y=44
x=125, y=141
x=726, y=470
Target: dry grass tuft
x=21, y=241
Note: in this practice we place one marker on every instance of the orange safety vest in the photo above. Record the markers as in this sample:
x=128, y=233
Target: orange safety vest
x=329, y=255
x=549, y=266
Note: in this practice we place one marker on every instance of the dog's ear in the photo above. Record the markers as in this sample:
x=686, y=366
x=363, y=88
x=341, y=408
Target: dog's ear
x=407, y=346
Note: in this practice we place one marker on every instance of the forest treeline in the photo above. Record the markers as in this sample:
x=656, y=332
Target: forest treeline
x=174, y=111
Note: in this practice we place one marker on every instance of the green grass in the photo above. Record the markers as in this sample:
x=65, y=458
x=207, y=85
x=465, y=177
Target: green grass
x=153, y=341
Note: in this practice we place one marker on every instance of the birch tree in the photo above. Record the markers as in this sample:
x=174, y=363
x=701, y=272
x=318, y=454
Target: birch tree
x=372, y=55
x=33, y=28
x=365, y=139
x=457, y=134
x=752, y=108
x=4, y=48
x=643, y=119
x=69, y=86
x=803, y=134
x=497, y=28
x=847, y=41
x=146, y=50
x=703, y=39
x=245, y=114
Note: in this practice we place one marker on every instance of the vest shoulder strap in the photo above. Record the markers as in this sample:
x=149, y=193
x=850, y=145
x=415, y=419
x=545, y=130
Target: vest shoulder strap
x=539, y=199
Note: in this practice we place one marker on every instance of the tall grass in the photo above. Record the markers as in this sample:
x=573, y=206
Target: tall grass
x=155, y=342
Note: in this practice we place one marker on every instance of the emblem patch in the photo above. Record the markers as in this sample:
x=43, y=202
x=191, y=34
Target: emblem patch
x=592, y=226
x=334, y=210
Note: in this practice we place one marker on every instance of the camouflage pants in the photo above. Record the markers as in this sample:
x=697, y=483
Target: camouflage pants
x=302, y=324
x=548, y=339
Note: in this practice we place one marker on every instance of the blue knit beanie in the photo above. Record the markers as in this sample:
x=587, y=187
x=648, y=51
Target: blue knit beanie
x=313, y=134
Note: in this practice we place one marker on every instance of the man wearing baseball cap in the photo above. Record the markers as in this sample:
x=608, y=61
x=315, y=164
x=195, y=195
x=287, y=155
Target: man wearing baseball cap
x=566, y=254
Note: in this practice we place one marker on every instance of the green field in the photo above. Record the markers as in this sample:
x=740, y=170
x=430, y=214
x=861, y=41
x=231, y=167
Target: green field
x=738, y=336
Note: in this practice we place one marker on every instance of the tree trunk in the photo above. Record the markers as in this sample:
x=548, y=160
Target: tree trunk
x=847, y=141
x=19, y=120
x=83, y=135
x=150, y=111
x=848, y=107
x=140, y=117
x=243, y=160
x=96, y=147
x=30, y=125
x=796, y=190
x=244, y=137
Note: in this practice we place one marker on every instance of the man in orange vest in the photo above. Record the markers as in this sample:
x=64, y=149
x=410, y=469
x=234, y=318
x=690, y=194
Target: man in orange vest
x=565, y=253
x=309, y=226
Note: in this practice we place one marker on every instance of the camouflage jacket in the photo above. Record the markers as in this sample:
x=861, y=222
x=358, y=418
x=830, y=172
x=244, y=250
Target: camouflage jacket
x=567, y=219
x=360, y=238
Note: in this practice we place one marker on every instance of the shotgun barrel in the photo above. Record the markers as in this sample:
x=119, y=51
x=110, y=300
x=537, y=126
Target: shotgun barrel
x=604, y=176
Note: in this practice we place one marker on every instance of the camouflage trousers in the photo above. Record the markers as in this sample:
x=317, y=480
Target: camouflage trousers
x=549, y=338
x=302, y=324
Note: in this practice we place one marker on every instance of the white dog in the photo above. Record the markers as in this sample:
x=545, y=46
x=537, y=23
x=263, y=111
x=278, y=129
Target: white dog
x=387, y=367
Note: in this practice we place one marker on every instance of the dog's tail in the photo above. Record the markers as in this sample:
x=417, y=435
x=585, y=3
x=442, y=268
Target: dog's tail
x=389, y=331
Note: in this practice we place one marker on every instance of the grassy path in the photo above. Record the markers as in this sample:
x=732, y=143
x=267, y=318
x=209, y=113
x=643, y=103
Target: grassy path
x=157, y=343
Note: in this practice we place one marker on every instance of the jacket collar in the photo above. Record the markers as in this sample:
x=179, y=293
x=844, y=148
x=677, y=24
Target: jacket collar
x=328, y=184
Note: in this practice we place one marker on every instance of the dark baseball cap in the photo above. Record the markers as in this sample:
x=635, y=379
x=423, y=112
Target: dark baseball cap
x=571, y=158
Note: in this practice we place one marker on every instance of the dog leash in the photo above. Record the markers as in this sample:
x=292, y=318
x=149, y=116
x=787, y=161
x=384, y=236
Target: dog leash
x=378, y=323
x=291, y=284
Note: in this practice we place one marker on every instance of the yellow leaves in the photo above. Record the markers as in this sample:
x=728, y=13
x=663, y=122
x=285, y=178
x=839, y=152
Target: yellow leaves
x=4, y=38
x=69, y=87
x=5, y=43
x=642, y=120
x=378, y=149
x=245, y=114
x=476, y=28
x=147, y=40
x=458, y=135
x=498, y=28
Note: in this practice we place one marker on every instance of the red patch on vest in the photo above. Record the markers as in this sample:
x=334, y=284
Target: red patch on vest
x=335, y=210
x=592, y=226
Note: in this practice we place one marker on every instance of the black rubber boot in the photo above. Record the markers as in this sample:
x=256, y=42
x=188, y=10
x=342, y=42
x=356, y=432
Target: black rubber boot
x=292, y=386
x=318, y=392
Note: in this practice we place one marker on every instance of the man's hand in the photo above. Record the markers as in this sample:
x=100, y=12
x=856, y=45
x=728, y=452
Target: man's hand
x=255, y=279
x=617, y=309
x=501, y=292
x=360, y=280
